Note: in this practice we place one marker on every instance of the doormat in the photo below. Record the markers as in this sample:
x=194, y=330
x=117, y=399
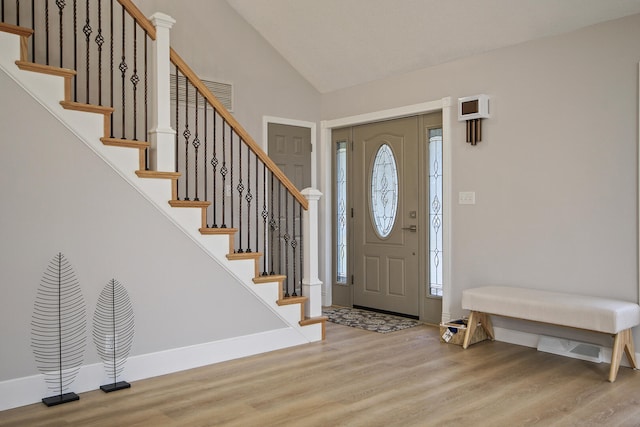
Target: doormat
x=368, y=320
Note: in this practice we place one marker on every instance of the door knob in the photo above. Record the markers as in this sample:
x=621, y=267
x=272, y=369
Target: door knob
x=412, y=228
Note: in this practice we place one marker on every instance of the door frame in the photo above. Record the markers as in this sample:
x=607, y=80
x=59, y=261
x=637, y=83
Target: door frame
x=326, y=161
x=292, y=122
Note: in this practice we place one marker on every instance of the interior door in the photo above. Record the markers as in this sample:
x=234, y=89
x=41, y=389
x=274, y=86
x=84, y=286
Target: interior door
x=290, y=149
x=385, y=201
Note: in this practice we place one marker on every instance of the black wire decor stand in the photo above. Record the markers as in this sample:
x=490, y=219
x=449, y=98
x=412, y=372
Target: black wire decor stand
x=58, y=334
x=113, y=327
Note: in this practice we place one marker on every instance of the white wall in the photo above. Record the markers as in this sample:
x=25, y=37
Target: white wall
x=219, y=45
x=555, y=173
x=58, y=196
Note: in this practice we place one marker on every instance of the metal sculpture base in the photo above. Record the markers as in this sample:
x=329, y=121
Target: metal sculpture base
x=60, y=399
x=108, y=388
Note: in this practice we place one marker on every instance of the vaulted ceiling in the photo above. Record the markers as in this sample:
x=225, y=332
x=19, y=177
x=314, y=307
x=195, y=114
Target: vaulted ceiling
x=340, y=43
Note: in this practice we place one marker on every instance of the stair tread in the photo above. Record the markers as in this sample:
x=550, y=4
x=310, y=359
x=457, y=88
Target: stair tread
x=45, y=69
x=89, y=108
x=129, y=143
x=292, y=300
x=189, y=203
x=15, y=29
x=313, y=320
x=269, y=279
x=218, y=230
x=244, y=255
x=158, y=174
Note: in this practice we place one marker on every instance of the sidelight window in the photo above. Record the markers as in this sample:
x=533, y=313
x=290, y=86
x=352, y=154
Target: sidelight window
x=435, y=211
x=341, y=212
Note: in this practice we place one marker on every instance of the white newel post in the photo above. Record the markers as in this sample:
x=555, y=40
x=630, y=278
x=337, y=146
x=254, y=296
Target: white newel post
x=161, y=135
x=311, y=284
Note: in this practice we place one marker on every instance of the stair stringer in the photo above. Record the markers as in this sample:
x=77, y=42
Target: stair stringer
x=48, y=90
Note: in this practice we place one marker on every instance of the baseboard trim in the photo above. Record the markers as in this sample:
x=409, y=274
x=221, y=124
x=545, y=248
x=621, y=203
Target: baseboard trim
x=28, y=390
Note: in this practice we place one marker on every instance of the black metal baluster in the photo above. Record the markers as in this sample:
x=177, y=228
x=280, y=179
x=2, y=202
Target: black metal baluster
x=33, y=26
x=196, y=146
x=135, y=79
x=286, y=237
x=99, y=41
x=265, y=215
x=223, y=173
x=60, y=4
x=111, y=67
x=75, y=50
x=2, y=9
x=272, y=226
x=123, y=69
x=248, y=198
x=257, y=190
x=186, y=134
x=87, y=32
x=214, y=164
x=146, y=101
x=294, y=246
x=206, y=181
x=46, y=29
x=240, y=190
x=231, y=212
x=18, y=13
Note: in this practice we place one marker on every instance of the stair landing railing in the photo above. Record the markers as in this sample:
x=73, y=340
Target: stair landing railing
x=123, y=61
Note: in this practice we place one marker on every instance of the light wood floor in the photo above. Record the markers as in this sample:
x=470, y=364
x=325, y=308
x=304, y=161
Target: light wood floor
x=360, y=378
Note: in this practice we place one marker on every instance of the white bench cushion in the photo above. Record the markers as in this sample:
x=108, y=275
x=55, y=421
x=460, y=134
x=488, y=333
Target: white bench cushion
x=577, y=311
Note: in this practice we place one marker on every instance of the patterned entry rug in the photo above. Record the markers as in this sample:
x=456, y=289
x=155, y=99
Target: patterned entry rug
x=368, y=320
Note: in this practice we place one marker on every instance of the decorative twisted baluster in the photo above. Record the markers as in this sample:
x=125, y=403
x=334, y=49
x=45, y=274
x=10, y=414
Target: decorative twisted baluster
x=99, y=42
x=46, y=28
x=186, y=134
x=87, y=30
x=223, y=174
x=135, y=79
x=60, y=4
x=214, y=166
x=265, y=215
x=240, y=190
x=196, y=145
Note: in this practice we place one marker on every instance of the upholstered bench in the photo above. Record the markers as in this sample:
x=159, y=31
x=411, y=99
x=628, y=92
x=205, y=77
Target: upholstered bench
x=576, y=311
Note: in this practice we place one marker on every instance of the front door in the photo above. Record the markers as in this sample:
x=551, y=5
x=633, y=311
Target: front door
x=386, y=216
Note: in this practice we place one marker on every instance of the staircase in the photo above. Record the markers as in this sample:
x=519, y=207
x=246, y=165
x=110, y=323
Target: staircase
x=54, y=88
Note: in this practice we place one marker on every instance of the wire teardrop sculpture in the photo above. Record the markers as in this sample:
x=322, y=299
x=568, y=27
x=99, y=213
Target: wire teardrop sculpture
x=113, y=328
x=58, y=334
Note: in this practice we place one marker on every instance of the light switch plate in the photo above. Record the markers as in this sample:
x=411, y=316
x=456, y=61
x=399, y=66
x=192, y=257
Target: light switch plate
x=467, y=198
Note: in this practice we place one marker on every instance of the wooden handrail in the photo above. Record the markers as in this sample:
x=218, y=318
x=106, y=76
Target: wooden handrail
x=237, y=128
x=142, y=20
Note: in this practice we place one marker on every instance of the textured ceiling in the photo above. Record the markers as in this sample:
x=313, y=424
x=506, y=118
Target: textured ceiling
x=340, y=43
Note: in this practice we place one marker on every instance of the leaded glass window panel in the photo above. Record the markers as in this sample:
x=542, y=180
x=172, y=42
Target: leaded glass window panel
x=435, y=212
x=383, y=193
x=341, y=212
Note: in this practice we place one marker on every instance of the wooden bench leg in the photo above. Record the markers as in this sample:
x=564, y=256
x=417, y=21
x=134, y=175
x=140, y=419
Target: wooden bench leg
x=622, y=342
x=471, y=328
x=485, y=321
x=472, y=323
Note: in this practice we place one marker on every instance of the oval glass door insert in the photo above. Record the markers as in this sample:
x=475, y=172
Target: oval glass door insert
x=383, y=196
